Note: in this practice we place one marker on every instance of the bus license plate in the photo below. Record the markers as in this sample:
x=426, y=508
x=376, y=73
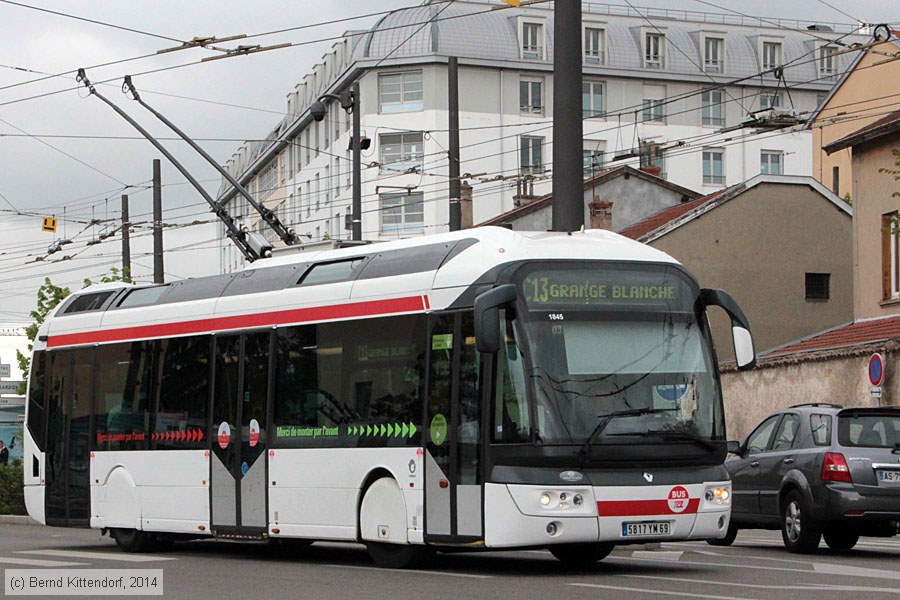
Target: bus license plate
x=889, y=477
x=647, y=529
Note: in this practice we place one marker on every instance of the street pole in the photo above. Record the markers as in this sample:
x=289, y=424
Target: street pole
x=568, y=181
x=453, y=151
x=357, y=171
x=158, y=273
x=126, y=241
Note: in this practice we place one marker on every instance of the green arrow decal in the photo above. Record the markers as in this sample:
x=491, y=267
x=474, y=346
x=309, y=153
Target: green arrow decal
x=397, y=430
x=390, y=429
x=405, y=430
x=368, y=430
x=382, y=429
x=412, y=430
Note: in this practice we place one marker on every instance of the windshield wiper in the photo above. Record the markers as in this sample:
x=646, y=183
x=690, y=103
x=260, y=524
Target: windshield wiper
x=607, y=418
x=674, y=434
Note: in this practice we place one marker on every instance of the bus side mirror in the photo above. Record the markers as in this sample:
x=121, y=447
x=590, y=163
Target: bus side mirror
x=487, y=317
x=744, y=353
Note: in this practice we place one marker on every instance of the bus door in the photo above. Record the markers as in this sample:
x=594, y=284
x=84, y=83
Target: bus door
x=237, y=462
x=67, y=494
x=453, y=481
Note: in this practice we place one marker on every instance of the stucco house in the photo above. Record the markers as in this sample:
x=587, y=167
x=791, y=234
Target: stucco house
x=754, y=240
x=613, y=199
x=833, y=365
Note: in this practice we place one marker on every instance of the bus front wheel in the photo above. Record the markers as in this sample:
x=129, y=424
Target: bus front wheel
x=398, y=556
x=133, y=540
x=581, y=556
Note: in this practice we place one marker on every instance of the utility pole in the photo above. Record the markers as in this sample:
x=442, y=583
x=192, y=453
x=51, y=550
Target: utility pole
x=453, y=151
x=126, y=241
x=568, y=182
x=158, y=273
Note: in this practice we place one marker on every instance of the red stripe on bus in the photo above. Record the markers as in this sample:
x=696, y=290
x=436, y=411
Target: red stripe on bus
x=642, y=508
x=427, y=302
x=281, y=317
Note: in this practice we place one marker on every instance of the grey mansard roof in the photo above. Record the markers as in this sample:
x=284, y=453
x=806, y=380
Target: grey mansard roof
x=473, y=30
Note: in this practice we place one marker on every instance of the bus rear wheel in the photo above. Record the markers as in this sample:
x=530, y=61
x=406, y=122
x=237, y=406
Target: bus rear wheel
x=580, y=556
x=132, y=540
x=399, y=556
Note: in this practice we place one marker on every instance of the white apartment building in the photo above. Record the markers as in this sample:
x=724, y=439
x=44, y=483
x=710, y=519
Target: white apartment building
x=671, y=79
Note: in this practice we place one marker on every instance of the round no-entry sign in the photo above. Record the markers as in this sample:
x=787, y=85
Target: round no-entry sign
x=876, y=369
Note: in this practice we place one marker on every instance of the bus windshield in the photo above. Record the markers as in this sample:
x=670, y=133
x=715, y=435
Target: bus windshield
x=610, y=355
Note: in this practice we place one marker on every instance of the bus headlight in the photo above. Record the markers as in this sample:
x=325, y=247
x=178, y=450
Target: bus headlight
x=719, y=495
x=546, y=499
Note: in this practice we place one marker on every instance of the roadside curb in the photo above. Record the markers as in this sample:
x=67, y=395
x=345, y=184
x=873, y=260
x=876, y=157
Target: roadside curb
x=17, y=520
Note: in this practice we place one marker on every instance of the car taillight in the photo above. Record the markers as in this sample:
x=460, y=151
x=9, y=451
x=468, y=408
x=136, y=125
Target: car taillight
x=835, y=468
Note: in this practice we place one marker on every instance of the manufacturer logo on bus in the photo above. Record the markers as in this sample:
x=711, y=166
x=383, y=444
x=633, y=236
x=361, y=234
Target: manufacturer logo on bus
x=571, y=476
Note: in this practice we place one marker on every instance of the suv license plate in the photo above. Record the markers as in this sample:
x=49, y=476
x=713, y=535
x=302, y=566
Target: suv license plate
x=647, y=529
x=889, y=477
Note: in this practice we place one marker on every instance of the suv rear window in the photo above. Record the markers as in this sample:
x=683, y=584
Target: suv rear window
x=869, y=431
x=820, y=426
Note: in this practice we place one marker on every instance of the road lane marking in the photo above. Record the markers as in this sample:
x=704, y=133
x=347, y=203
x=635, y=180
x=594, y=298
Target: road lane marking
x=97, y=555
x=411, y=572
x=690, y=594
x=820, y=568
x=805, y=587
x=36, y=562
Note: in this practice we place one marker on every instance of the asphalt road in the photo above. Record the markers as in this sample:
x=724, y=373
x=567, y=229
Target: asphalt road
x=755, y=567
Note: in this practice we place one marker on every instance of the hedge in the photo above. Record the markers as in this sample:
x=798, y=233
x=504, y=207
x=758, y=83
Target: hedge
x=12, y=496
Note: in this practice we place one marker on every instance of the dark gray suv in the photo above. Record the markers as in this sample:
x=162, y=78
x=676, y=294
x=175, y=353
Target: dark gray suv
x=818, y=470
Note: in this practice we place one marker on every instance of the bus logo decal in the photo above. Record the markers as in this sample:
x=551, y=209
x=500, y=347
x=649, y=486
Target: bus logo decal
x=224, y=435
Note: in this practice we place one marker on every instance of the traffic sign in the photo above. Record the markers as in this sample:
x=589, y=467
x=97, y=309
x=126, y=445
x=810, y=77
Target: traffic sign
x=49, y=224
x=4, y=370
x=876, y=369
x=9, y=387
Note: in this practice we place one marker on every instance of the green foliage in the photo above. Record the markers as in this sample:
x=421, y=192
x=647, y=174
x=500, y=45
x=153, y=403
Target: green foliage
x=895, y=173
x=48, y=297
x=12, y=494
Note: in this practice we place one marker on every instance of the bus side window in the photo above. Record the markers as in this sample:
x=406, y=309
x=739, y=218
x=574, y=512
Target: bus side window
x=512, y=421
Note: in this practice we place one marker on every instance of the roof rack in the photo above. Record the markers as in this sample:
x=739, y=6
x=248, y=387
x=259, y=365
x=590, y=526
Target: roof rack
x=822, y=404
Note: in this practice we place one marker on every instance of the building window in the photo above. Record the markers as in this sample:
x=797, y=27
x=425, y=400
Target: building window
x=592, y=99
x=531, y=96
x=268, y=181
x=654, y=110
x=654, y=51
x=401, y=151
x=713, y=108
x=400, y=92
x=402, y=213
x=532, y=34
x=594, y=44
x=771, y=162
x=714, y=167
x=817, y=286
x=530, y=154
x=714, y=55
x=327, y=184
x=593, y=157
x=827, y=61
x=890, y=255
x=767, y=100
x=308, y=147
x=337, y=176
x=771, y=55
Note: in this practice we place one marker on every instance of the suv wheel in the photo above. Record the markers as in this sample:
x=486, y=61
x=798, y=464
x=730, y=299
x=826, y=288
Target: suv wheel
x=798, y=531
x=841, y=540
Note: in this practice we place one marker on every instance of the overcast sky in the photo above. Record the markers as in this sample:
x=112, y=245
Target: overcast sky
x=66, y=154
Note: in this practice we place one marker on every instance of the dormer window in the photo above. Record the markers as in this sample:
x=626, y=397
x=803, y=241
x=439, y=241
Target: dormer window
x=827, y=61
x=714, y=55
x=532, y=41
x=594, y=46
x=654, y=51
x=771, y=55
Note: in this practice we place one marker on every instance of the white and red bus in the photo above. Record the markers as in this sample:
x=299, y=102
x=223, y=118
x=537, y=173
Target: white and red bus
x=478, y=389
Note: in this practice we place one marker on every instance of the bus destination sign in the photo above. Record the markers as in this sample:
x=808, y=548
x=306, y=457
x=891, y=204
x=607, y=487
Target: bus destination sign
x=570, y=289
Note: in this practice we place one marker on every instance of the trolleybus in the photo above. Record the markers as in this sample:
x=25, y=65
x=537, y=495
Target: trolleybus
x=481, y=389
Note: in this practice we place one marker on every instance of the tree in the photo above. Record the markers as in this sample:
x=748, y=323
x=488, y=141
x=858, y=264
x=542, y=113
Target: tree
x=48, y=297
x=895, y=173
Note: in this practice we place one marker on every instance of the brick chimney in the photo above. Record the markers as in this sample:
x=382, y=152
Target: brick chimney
x=652, y=170
x=601, y=214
